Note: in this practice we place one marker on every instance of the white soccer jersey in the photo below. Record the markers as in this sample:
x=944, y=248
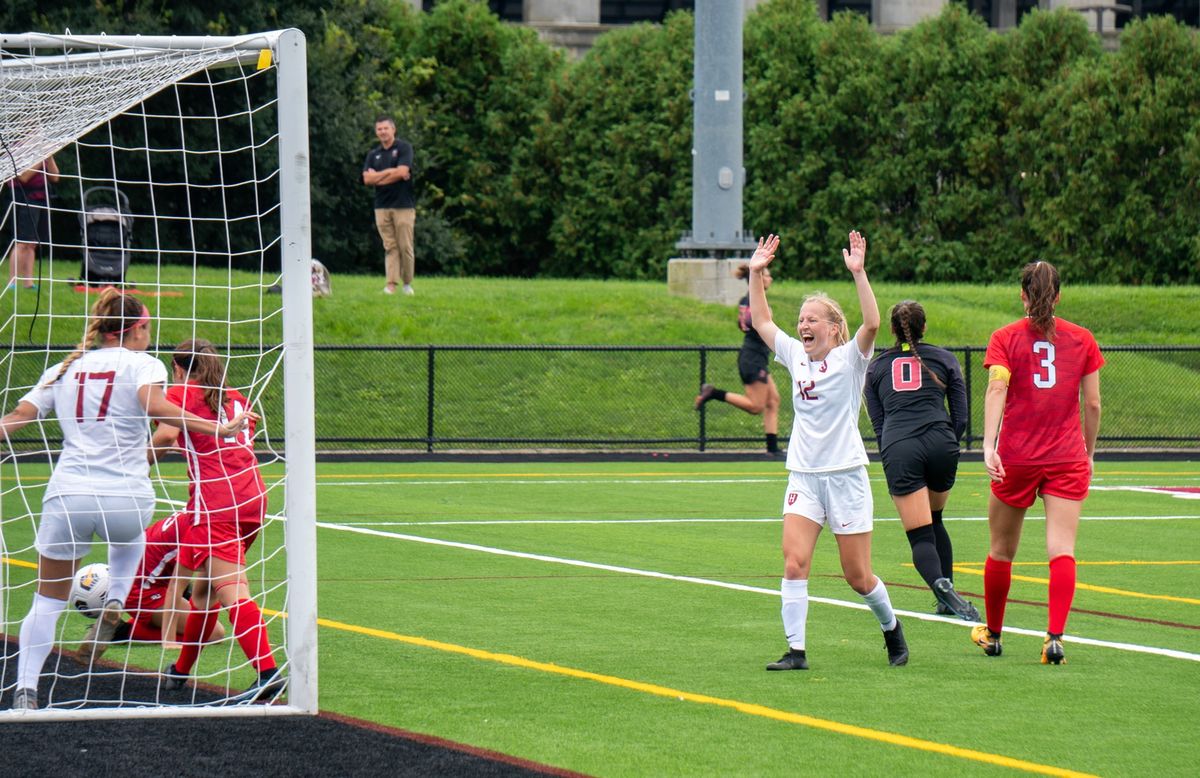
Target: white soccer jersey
x=105, y=428
x=827, y=397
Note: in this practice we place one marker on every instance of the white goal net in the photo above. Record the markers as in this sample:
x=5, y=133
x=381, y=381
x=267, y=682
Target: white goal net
x=175, y=170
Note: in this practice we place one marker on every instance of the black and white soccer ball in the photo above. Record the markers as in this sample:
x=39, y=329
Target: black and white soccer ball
x=89, y=590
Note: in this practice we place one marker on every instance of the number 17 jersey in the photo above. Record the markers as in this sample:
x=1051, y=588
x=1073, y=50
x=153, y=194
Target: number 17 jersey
x=1041, y=414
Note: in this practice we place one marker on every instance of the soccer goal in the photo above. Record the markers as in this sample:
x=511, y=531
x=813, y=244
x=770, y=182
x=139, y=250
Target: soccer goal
x=182, y=166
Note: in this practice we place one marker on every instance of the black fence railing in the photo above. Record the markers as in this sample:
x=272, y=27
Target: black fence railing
x=374, y=399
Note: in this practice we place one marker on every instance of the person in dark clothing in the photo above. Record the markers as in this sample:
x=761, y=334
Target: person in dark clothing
x=761, y=395
x=31, y=200
x=388, y=168
x=907, y=391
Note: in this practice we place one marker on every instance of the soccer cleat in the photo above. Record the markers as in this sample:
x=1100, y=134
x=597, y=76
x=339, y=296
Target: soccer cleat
x=25, y=699
x=986, y=639
x=706, y=394
x=941, y=610
x=1052, y=650
x=270, y=684
x=897, y=646
x=943, y=588
x=794, y=659
x=98, y=637
x=173, y=680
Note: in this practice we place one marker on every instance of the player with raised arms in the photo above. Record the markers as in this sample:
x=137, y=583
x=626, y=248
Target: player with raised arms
x=227, y=503
x=826, y=460
x=1039, y=368
x=104, y=395
x=907, y=389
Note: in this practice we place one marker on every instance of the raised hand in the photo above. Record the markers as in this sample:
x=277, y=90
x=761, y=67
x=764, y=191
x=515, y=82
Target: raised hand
x=764, y=253
x=856, y=257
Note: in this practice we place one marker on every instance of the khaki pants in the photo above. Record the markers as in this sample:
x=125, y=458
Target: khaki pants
x=395, y=226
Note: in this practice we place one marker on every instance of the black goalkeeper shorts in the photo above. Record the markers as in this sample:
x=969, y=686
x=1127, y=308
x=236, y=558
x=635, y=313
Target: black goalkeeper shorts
x=929, y=459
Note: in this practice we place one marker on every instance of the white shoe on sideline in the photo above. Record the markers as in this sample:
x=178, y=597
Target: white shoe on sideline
x=408, y=289
x=389, y=290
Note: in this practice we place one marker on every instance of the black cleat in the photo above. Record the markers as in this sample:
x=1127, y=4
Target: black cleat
x=942, y=610
x=943, y=588
x=794, y=659
x=1052, y=650
x=173, y=680
x=987, y=640
x=270, y=684
x=706, y=393
x=25, y=699
x=897, y=646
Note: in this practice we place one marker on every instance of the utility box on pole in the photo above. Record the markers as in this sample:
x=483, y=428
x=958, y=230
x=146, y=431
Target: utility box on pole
x=717, y=242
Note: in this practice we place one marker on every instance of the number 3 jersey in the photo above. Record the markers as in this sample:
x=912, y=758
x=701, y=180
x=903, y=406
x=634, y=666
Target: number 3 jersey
x=827, y=398
x=1041, y=414
x=903, y=400
x=225, y=469
x=105, y=429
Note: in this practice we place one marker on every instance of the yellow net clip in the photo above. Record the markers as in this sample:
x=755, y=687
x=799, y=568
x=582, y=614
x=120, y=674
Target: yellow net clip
x=264, y=59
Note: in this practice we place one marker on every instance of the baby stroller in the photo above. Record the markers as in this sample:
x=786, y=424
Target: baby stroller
x=107, y=236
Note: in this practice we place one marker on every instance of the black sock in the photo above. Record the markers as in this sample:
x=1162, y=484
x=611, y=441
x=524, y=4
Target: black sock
x=718, y=395
x=122, y=632
x=924, y=553
x=772, y=443
x=944, y=548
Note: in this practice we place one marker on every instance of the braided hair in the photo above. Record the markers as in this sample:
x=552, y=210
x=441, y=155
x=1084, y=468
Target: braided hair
x=908, y=325
x=1039, y=282
x=113, y=314
x=199, y=360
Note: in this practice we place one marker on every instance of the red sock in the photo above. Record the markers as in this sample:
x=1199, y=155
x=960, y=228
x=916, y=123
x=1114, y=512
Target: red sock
x=140, y=629
x=1062, y=592
x=196, y=631
x=997, y=578
x=251, y=634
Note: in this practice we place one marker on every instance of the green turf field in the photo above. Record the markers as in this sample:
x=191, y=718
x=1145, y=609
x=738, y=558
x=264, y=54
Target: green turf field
x=614, y=619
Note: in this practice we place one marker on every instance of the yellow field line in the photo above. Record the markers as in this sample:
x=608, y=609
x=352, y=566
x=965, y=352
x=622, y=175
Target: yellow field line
x=1093, y=588
x=703, y=699
x=18, y=562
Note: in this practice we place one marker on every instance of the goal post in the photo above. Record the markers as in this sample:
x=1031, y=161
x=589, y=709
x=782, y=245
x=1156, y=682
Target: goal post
x=196, y=149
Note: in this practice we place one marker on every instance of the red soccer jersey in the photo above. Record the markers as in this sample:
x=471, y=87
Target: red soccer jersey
x=158, y=565
x=1041, y=422
x=225, y=469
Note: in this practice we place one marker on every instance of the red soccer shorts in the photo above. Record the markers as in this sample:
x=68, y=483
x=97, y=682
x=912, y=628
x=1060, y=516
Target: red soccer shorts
x=226, y=535
x=1023, y=484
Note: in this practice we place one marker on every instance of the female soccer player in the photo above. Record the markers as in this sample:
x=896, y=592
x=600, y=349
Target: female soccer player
x=226, y=506
x=1033, y=444
x=907, y=389
x=104, y=394
x=761, y=397
x=826, y=460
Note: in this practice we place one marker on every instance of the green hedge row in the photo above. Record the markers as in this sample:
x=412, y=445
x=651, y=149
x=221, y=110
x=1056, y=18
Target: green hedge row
x=960, y=152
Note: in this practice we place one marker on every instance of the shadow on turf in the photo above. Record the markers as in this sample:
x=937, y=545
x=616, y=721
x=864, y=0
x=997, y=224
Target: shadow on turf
x=326, y=744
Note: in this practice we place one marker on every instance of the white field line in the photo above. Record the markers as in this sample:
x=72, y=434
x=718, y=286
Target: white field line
x=1163, y=490
x=1167, y=652
x=770, y=520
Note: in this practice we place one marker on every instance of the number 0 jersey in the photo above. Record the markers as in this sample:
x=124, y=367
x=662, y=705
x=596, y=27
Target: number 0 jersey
x=225, y=469
x=104, y=426
x=903, y=401
x=1041, y=422
x=827, y=398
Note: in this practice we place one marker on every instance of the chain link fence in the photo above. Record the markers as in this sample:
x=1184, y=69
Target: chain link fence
x=380, y=399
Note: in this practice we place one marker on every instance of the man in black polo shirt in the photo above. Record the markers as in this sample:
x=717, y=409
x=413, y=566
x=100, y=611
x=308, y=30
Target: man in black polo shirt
x=388, y=168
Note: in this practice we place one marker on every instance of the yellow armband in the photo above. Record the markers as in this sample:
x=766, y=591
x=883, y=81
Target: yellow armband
x=999, y=373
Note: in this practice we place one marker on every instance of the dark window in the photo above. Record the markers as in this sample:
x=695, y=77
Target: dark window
x=1186, y=11
x=630, y=11
x=856, y=6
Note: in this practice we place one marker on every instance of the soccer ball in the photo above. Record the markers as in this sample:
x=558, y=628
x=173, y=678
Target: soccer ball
x=89, y=590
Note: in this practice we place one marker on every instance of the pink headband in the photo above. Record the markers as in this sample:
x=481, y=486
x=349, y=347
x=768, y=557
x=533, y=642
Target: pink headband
x=143, y=319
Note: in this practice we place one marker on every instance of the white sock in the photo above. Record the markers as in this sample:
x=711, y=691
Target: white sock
x=123, y=561
x=881, y=606
x=37, y=638
x=795, y=611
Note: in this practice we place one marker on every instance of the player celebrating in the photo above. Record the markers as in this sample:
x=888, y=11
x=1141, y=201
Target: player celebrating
x=827, y=464
x=104, y=394
x=761, y=397
x=227, y=503
x=907, y=389
x=1033, y=444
